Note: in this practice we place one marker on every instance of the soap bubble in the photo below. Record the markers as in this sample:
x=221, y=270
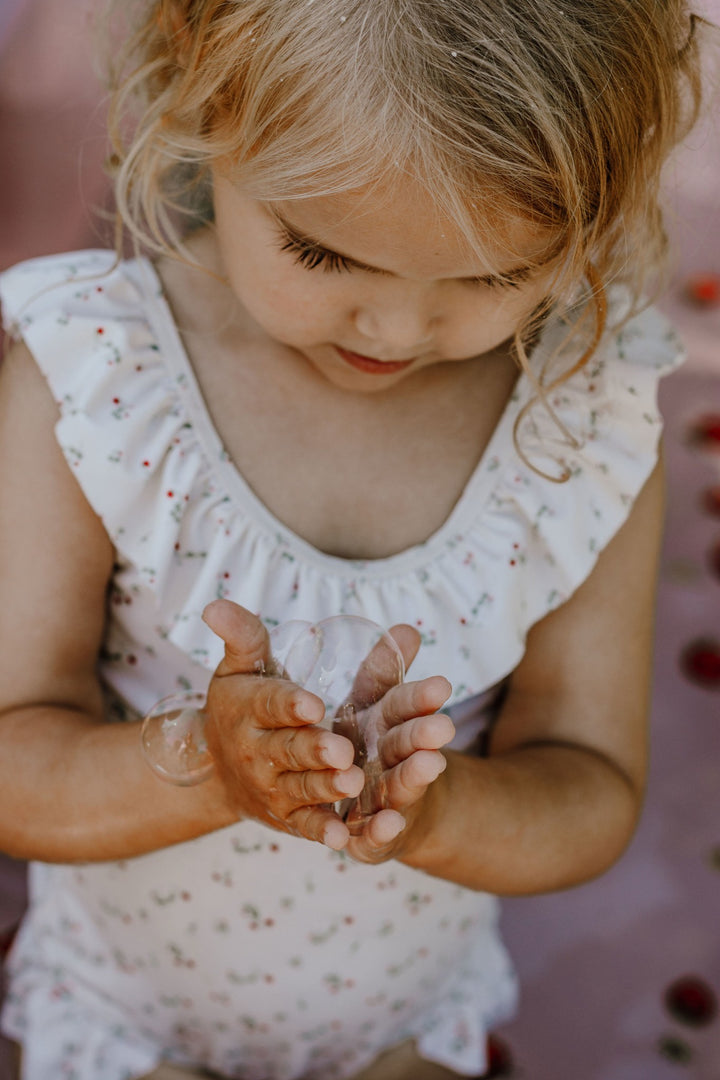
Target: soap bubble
x=173, y=740
x=351, y=663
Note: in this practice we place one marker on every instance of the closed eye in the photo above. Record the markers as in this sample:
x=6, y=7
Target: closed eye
x=313, y=256
x=514, y=280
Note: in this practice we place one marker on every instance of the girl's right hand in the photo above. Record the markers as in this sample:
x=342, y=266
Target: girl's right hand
x=274, y=763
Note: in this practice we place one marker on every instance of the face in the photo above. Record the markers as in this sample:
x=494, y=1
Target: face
x=373, y=290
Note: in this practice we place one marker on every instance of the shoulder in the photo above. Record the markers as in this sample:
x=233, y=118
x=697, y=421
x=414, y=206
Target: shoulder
x=99, y=333
x=53, y=280
x=595, y=418
x=66, y=306
x=86, y=317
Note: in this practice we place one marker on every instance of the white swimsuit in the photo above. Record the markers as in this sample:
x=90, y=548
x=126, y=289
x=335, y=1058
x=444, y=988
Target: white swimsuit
x=255, y=954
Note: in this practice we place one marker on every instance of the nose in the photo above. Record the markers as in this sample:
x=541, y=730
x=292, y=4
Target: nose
x=399, y=324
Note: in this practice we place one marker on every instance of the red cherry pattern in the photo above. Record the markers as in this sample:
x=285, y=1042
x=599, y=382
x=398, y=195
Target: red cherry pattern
x=690, y=1000
x=700, y=662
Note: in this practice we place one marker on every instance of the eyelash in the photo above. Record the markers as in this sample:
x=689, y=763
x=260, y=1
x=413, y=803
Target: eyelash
x=313, y=258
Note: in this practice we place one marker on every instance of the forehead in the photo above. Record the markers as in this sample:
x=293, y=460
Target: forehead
x=402, y=229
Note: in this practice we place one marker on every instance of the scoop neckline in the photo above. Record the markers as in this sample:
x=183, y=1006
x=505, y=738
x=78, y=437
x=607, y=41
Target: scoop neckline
x=468, y=506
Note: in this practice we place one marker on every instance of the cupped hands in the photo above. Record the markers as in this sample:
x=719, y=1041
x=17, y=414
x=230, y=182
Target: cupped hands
x=277, y=765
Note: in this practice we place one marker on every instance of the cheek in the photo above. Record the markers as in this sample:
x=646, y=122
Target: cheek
x=495, y=314
x=515, y=307
x=282, y=300
x=482, y=322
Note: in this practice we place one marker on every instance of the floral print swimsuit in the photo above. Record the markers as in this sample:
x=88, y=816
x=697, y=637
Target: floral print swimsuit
x=252, y=953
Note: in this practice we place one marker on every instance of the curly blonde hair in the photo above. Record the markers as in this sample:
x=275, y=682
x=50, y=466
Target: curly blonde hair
x=561, y=112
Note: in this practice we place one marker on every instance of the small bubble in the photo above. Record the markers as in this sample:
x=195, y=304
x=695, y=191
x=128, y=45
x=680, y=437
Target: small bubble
x=343, y=18
x=453, y=54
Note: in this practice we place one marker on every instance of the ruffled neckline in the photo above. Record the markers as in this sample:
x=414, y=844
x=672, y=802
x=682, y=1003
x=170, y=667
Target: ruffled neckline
x=475, y=494
x=187, y=527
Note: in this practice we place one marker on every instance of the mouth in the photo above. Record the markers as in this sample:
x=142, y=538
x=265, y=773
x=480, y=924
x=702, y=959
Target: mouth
x=372, y=366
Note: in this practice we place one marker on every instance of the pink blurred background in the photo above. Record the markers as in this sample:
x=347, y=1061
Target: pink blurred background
x=602, y=966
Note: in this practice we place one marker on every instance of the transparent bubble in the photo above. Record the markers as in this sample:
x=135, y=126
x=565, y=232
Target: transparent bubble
x=349, y=662
x=173, y=740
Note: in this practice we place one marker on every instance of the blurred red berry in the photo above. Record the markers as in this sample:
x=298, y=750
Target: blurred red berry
x=691, y=1001
x=714, y=558
x=703, y=290
x=705, y=432
x=700, y=662
x=499, y=1059
x=711, y=500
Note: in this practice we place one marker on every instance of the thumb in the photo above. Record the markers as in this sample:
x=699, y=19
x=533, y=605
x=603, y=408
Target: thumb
x=408, y=640
x=247, y=646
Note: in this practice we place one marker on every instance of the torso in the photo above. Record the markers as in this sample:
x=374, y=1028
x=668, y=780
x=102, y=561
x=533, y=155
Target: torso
x=357, y=476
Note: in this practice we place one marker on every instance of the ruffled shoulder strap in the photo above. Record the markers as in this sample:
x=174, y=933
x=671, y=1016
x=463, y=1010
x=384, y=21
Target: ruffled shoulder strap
x=605, y=446
x=93, y=325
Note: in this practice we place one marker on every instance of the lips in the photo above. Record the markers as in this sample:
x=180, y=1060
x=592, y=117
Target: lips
x=370, y=365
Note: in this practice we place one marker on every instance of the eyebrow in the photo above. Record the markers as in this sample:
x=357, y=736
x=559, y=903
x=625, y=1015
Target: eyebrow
x=302, y=238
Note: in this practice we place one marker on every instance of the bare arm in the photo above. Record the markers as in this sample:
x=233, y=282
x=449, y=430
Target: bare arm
x=557, y=800
x=71, y=787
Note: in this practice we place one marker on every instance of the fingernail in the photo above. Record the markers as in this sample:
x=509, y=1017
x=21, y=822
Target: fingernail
x=348, y=783
x=335, y=835
x=399, y=826
x=307, y=710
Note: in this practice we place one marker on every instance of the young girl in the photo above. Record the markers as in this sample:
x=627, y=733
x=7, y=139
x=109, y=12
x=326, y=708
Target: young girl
x=391, y=359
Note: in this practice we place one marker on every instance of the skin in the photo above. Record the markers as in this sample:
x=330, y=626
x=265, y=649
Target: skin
x=557, y=800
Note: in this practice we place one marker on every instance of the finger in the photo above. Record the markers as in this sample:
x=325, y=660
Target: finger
x=407, y=782
x=383, y=667
x=247, y=646
x=415, y=699
x=272, y=703
x=319, y=823
x=384, y=827
x=377, y=840
x=311, y=788
x=303, y=748
x=422, y=733
x=408, y=640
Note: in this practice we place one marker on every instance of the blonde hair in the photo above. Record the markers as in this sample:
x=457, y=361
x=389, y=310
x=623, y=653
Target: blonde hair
x=561, y=112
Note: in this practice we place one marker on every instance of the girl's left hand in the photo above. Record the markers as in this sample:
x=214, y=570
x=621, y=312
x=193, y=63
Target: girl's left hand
x=409, y=750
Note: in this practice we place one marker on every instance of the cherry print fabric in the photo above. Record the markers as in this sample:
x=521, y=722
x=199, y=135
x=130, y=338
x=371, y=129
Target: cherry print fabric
x=249, y=952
